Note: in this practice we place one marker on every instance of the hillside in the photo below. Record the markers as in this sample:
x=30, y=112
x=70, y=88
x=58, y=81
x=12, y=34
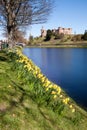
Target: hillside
x=29, y=101
x=66, y=41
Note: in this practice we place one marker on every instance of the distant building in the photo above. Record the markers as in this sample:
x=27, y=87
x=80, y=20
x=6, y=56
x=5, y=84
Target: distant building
x=43, y=32
x=60, y=30
x=64, y=30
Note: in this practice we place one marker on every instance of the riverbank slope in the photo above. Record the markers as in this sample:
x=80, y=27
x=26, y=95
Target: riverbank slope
x=29, y=101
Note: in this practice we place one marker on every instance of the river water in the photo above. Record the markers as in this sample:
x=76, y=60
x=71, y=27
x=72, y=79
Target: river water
x=66, y=67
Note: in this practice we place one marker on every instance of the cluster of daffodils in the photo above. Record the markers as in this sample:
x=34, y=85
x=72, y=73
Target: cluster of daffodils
x=28, y=63
x=56, y=91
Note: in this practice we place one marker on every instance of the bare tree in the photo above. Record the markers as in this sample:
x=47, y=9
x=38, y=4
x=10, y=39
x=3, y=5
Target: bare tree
x=15, y=14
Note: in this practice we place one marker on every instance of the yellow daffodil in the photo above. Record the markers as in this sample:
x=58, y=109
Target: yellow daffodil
x=9, y=86
x=59, y=91
x=43, y=79
x=61, y=96
x=70, y=106
x=66, y=100
x=73, y=110
x=53, y=92
x=55, y=86
x=39, y=75
x=55, y=96
x=47, y=89
x=50, y=86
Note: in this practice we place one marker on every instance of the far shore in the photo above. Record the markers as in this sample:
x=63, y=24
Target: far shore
x=79, y=44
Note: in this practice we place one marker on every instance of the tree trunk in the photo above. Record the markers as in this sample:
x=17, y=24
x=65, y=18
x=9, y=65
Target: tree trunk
x=10, y=36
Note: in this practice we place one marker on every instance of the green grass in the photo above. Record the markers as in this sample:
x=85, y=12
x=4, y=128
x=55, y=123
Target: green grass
x=58, y=43
x=19, y=107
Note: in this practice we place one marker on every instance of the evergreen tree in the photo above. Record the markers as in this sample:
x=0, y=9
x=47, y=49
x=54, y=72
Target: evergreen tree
x=49, y=35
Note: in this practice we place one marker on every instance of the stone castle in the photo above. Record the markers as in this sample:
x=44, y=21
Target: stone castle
x=60, y=30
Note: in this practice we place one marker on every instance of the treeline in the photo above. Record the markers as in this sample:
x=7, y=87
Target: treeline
x=65, y=37
x=52, y=36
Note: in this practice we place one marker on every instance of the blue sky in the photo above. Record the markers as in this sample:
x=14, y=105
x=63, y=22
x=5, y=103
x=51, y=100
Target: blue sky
x=66, y=13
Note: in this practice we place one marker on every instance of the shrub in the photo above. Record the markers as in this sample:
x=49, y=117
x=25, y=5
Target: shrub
x=84, y=37
x=49, y=35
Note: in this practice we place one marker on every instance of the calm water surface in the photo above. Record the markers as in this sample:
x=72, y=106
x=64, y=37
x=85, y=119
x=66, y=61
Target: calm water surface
x=66, y=67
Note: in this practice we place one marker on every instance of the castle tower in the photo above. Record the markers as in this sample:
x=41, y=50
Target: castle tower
x=43, y=32
x=65, y=30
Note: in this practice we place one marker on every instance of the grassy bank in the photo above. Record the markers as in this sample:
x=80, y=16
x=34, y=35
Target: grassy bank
x=29, y=101
x=58, y=46
x=59, y=43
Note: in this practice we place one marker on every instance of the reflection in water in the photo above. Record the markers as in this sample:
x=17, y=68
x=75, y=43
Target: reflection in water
x=65, y=67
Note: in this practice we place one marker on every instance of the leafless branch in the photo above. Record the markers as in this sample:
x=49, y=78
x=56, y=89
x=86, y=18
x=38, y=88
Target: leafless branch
x=21, y=13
